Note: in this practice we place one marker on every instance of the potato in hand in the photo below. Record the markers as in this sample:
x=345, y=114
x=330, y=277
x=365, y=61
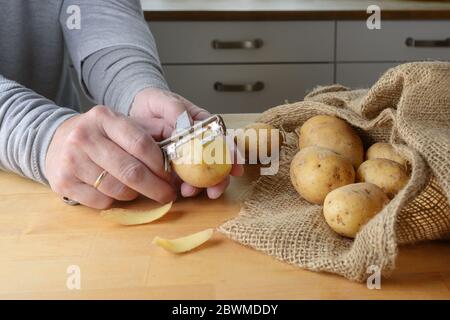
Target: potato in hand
x=203, y=165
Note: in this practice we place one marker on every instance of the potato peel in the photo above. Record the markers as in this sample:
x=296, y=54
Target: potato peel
x=128, y=217
x=184, y=244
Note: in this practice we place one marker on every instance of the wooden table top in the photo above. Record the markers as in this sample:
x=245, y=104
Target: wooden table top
x=228, y=10
x=40, y=237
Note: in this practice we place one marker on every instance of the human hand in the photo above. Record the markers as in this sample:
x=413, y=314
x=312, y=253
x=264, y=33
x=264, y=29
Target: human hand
x=157, y=110
x=87, y=144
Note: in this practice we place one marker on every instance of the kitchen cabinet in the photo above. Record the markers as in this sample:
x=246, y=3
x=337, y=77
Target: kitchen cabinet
x=395, y=41
x=244, y=42
x=290, y=58
x=246, y=87
x=245, y=66
x=363, y=55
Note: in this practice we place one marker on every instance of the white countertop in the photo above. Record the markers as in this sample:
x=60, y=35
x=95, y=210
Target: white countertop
x=288, y=5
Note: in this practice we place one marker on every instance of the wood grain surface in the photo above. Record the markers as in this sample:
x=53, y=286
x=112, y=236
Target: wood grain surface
x=40, y=237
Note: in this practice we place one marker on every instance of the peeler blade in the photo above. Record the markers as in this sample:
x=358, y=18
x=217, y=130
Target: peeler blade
x=183, y=122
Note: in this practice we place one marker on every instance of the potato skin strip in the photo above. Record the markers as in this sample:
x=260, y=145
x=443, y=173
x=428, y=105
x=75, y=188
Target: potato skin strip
x=128, y=217
x=184, y=244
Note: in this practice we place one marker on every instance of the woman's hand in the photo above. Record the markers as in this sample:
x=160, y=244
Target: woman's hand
x=86, y=145
x=158, y=110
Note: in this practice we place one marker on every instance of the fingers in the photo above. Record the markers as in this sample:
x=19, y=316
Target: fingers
x=195, y=112
x=136, y=141
x=86, y=195
x=88, y=172
x=129, y=170
x=237, y=170
x=157, y=111
x=119, y=163
x=157, y=128
x=167, y=107
x=87, y=144
x=216, y=191
x=188, y=191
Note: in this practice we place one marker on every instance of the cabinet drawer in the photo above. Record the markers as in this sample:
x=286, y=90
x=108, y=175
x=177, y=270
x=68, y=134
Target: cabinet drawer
x=241, y=42
x=360, y=75
x=246, y=88
x=428, y=40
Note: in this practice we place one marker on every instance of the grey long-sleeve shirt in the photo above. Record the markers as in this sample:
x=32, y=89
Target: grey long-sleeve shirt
x=112, y=51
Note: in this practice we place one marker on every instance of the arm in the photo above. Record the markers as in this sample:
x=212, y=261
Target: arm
x=115, y=56
x=114, y=52
x=27, y=124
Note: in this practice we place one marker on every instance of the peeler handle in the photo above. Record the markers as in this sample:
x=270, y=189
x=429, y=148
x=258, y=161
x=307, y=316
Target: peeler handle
x=166, y=162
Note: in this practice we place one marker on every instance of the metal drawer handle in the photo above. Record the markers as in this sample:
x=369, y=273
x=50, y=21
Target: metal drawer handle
x=246, y=44
x=410, y=42
x=248, y=87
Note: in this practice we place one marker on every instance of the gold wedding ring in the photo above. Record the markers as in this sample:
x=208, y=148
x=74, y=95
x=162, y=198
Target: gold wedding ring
x=100, y=179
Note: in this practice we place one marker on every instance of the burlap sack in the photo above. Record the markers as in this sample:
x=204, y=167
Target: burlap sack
x=409, y=107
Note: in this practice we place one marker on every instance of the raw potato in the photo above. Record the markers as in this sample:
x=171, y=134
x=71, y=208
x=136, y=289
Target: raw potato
x=334, y=134
x=385, y=151
x=203, y=166
x=184, y=244
x=316, y=171
x=132, y=217
x=389, y=175
x=263, y=138
x=350, y=207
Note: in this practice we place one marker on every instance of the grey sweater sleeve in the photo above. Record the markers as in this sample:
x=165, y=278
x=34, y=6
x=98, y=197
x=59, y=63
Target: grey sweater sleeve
x=27, y=124
x=113, y=52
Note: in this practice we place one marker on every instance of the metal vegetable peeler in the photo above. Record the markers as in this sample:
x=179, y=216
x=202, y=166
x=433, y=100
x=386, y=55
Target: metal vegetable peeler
x=185, y=131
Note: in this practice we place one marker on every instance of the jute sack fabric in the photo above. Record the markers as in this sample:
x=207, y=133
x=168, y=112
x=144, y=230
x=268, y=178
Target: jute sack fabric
x=410, y=107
